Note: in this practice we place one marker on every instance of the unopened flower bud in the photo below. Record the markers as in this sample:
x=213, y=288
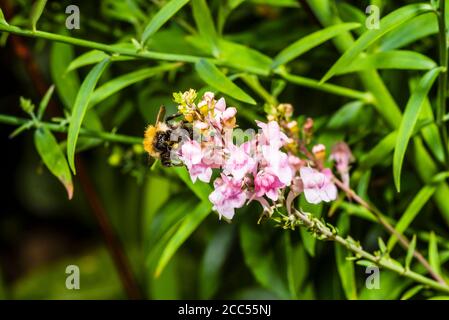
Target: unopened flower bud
x=319, y=151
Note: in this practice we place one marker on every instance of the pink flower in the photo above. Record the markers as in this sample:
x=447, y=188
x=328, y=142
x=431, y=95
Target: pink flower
x=191, y=153
x=343, y=157
x=277, y=163
x=240, y=162
x=266, y=183
x=222, y=116
x=192, y=156
x=200, y=171
x=318, y=185
x=227, y=196
x=295, y=163
x=272, y=134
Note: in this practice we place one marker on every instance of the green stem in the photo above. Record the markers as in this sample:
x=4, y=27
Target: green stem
x=330, y=88
x=105, y=136
x=325, y=233
x=442, y=83
x=98, y=46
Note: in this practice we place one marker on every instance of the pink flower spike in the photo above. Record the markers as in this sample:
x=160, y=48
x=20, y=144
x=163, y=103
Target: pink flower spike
x=267, y=184
x=227, y=196
x=318, y=186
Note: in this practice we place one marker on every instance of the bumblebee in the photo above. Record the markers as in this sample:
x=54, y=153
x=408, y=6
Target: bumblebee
x=158, y=138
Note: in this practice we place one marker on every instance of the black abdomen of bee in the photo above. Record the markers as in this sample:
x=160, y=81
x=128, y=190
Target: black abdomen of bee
x=163, y=141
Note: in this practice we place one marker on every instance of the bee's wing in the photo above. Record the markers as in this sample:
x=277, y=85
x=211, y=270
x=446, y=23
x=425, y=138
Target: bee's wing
x=161, y=114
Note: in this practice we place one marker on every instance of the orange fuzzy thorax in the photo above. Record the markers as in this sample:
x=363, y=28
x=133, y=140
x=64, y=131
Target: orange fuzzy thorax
x=150, y=134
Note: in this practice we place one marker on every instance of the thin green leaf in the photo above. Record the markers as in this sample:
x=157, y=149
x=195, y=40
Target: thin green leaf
x=434, y=258
x=53, y=157
x=2, y=17
x=80, y=108
x=311, y=41
x=412, y=292
x=382, y=246
x=387, y=24
x=216, y=79
x=26, y=126
x=243, y=58
x=410, y=252
x=411, y=31
x=36, y=12
x=44, y=102
x=187, y=227
x=161, y=17
x=439, y=298
x=411, y=212
x=277, y=3
x=411, y=114
x=90, y=57
x=67, y=85
x=397, y=59
x=117, y=84
x=205, y=24
x=347, y=115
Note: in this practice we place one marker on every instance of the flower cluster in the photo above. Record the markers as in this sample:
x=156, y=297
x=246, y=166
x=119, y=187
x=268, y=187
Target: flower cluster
x=263, y=166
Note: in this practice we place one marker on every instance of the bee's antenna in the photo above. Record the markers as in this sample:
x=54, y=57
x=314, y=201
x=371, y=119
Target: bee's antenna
x=161, y=114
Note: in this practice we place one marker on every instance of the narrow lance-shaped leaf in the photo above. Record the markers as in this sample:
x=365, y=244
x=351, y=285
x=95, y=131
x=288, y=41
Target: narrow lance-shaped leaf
x=161, y=17
x=216, y=79
x=410, y=252
x=205, y=24
x=411, y=212
x=310, y=41
x=412, y=292
x=188, y=225
x=67, y=85
x=117, y=84
x=411, y=114
x=44, y=102
x=36, y=12
x=80, y=108
x=53, y=157
x=411, y=31
x=397, y=59
x=90, y=57
x=2, y=17
x=390, y=22
x=434, y=258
